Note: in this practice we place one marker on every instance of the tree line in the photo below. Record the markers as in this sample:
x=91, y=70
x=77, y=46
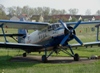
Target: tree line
x=5, y=13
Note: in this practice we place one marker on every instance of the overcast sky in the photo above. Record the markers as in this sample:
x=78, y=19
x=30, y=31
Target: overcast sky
x=82, y=5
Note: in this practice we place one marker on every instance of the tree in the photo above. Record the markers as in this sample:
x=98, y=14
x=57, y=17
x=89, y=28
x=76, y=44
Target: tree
x=31, y=11
x=25, y=10
x=18, y=11
x=46, y=11
x=11, y=10
x=2, y=12
x=88, y=12
x=98, y=12
x=54, y=12
x=2, y=7
x=57, y=12
x=73, y=19
x=63, y=11
x=73, y=11
x=38, y=11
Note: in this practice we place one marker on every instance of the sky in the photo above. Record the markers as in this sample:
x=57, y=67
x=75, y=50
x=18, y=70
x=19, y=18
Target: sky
x=81, y=5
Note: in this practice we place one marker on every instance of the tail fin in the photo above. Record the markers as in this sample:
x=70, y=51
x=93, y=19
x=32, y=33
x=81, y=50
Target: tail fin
x=21, y=39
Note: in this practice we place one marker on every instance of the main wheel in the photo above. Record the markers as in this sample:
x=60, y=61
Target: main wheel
x=24, y=54
x=76, y=57
x=44, y=59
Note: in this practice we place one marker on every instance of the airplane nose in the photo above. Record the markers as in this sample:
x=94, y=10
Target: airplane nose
x=66, y=32
x=71, y=32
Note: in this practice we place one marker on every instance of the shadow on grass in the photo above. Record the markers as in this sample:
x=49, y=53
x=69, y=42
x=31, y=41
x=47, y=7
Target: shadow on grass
x=6, y=63
x=9, y=62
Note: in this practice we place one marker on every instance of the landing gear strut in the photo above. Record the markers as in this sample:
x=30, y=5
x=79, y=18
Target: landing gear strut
x=45, y=56
x=75, y=56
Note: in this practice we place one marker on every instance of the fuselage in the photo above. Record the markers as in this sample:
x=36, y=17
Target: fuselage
x=50, y=36
x=46, y=35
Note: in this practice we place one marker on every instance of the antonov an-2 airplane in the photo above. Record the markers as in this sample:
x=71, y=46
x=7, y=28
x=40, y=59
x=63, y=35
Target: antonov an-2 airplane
x=46, y=37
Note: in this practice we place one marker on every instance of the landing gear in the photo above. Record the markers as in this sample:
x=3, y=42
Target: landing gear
x=24, y=54
x=45, y=56
x=76, y=57
x=44, y=59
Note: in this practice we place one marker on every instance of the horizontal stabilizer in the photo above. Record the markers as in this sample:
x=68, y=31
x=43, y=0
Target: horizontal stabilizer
x=11, y=35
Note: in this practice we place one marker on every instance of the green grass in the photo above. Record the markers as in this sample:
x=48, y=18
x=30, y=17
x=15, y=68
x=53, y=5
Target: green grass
x=7, y=66
x=30, y=67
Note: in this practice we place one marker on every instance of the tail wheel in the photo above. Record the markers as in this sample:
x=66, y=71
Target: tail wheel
x=76, y=57
x=44, y=59
x=24, y=55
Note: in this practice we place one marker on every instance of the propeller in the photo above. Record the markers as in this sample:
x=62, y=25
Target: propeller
x=64, y=25
x=77, y=39
x=77, y=24
x=64, y=39
x=67, y=36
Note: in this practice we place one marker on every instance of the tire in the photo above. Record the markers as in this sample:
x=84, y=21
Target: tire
x=76, y=57
x=44, y=59
x=24, y=54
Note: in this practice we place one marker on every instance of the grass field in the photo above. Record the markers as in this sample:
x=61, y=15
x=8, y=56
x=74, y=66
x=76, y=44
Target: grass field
x=7, y=66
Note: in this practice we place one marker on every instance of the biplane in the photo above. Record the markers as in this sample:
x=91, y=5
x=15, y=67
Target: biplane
x=45, y=37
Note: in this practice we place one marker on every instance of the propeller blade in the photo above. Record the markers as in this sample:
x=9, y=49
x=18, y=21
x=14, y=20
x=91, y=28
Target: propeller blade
x=77, y=24
x=77, y=39
x=64, y=39
x=63, y=24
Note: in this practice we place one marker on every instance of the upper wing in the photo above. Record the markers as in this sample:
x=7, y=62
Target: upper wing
x=86, y=44
x=23, y=24
x=89, y=22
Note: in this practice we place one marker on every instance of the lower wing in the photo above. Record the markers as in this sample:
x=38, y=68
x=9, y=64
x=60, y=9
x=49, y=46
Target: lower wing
x=37, y=48
x=25, y=47
x=86, y=44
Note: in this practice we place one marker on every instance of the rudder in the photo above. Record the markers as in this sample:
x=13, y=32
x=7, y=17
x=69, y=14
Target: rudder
x=21, y=39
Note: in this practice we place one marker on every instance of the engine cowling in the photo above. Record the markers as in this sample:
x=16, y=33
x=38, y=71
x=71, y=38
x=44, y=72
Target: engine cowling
x=71, y=32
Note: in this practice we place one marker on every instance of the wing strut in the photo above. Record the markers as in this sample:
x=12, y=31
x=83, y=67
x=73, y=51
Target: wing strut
x=3, y=32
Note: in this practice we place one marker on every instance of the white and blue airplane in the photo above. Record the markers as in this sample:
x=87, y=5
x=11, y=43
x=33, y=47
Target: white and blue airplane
x=46, y=37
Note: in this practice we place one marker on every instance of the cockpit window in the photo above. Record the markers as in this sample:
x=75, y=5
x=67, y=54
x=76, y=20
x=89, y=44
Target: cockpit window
x=49, y=28
x=52, y=27
x=57, y=25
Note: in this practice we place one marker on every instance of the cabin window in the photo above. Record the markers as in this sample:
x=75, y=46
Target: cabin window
x=49, y=28
x=57, y=25
x=53, y=27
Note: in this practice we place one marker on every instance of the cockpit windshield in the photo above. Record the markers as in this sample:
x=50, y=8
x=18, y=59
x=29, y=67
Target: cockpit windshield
x=52, y=27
